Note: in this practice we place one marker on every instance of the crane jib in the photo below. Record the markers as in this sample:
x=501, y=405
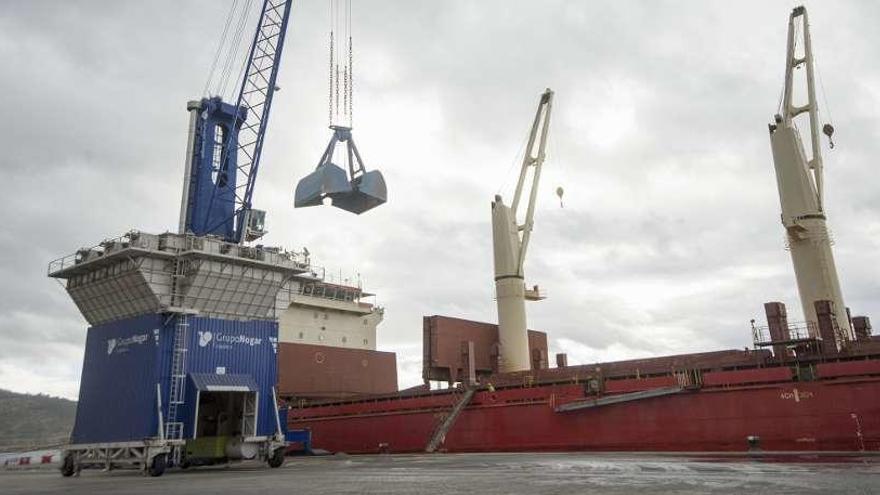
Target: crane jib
x=228, y=210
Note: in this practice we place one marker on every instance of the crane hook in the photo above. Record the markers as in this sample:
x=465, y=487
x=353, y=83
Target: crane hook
x=828, y=130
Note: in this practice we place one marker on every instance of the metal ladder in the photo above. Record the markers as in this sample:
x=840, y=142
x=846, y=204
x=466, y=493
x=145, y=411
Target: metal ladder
x=440, y=434
x=173, y=426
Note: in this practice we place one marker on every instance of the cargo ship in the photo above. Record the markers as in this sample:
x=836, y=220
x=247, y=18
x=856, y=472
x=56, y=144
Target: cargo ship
x=803, y=387
x=722, y=401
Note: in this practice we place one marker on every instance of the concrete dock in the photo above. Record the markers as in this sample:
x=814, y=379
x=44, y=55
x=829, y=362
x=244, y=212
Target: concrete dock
x=533, y=474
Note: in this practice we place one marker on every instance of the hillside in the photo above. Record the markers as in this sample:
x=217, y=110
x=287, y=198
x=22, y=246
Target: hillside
x=31, y=421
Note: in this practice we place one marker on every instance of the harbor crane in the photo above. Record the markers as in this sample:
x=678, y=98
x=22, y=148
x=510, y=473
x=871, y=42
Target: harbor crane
x=511, y=241
x=225, y=141
x=799, y=178
x=225, y=144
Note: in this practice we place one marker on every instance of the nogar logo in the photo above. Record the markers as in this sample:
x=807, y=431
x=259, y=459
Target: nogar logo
x=240, y=339
x=222, y=340
x=117, y=346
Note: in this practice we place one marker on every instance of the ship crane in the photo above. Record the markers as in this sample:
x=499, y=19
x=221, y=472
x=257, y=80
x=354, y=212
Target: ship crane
x=511, y=241
x=801, y=187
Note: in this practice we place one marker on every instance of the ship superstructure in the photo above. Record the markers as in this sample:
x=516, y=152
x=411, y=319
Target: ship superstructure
x=323, y=313
x=327, y=342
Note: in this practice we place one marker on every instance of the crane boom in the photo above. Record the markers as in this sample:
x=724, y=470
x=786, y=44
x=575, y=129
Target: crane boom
x=800, y=184
x=510, y=248
x=226, y=141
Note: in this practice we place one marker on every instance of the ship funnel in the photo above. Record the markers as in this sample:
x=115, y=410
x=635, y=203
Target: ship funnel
x=357, y=191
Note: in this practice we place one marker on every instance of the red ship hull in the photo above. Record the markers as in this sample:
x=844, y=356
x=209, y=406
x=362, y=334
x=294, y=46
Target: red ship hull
x=837, y=411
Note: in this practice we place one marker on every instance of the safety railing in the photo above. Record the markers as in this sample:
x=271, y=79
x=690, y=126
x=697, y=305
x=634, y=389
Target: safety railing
x=800, y=330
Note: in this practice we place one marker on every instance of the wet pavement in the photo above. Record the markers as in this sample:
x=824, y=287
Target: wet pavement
x=534, y=474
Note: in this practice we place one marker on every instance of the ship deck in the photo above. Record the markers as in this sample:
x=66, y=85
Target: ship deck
x=640, y=374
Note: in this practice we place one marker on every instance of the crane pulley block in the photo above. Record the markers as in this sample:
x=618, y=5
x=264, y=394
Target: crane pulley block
x=356, y=191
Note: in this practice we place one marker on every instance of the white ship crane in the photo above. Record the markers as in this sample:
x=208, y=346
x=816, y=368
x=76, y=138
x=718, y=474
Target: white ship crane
x=801, y=190
x=510, y=242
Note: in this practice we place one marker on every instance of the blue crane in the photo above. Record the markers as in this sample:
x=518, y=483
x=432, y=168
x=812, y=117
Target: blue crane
x=226, y=141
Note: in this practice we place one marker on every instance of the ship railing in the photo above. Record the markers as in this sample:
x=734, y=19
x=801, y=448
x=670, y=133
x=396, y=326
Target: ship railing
x=215, y=245
x=802, y=330
x=175, y=243
x=130, y=239
x=333, y=287
x=797, y=331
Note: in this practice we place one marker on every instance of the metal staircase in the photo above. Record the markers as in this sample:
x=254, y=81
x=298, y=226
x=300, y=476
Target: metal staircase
x=440, y=433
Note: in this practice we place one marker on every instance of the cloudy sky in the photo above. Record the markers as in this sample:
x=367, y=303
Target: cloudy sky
x=669, y=240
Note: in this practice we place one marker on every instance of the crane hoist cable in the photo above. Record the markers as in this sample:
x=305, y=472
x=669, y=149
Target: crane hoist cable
x=341, y=66
x=231, y=50
x=509, y=178
x=350, y=186
x=220, y=46
x=828, y=127
x=555, y=158
x=235, y=55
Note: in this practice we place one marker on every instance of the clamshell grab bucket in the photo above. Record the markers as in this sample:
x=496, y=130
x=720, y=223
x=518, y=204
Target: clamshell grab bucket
x=327, y=180
x=363, y=192
x=368, y=192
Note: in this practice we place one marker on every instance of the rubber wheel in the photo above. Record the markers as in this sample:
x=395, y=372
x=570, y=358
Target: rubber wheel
x=277, y=458
x=157, y=467
x=67, y=468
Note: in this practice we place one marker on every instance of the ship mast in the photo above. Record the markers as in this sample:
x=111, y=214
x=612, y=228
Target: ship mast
x=801, y=189
x=510, y=242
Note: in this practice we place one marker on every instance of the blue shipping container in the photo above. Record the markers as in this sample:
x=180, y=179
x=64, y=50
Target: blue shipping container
x=126, y=363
